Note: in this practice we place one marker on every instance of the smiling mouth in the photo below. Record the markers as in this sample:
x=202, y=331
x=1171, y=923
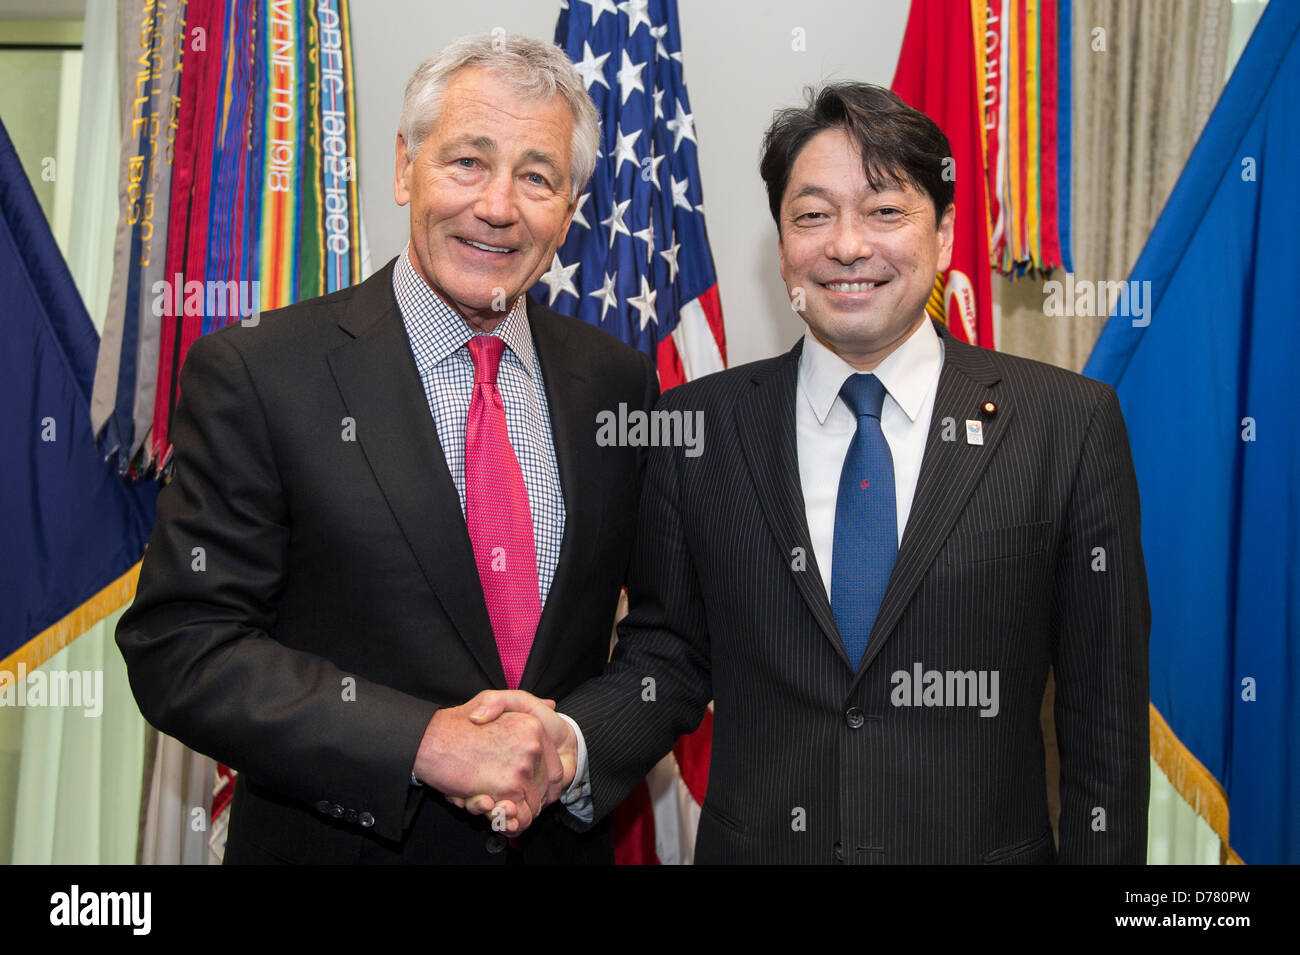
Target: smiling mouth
x=484, y=246
x=853, y=286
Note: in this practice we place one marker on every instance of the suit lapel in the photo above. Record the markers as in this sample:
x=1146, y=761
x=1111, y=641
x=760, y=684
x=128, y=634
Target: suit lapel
x=950, y=471
x=380, y=385
x=766, y=425
x=573, y=428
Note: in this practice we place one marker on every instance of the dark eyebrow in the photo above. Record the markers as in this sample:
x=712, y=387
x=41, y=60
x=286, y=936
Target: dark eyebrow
x=886, y=185
x=811, y=190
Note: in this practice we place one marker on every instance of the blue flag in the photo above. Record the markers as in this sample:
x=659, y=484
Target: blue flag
x=1209, y=380
x=71, y=527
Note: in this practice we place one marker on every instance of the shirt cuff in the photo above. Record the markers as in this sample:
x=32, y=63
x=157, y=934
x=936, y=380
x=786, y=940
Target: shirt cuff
x=577, y=798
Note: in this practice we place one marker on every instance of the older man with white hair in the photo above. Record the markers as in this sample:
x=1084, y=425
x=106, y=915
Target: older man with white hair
x=400, y=503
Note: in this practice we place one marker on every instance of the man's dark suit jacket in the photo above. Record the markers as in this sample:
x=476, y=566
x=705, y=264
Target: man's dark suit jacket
x=307, y=601
x=811, y=760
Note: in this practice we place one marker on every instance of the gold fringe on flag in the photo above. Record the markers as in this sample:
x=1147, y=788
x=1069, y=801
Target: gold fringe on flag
x=1194, y=782
x=934, y=305
x=52, y=639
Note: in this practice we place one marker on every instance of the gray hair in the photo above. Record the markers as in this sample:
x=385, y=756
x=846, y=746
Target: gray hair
x=532, y=68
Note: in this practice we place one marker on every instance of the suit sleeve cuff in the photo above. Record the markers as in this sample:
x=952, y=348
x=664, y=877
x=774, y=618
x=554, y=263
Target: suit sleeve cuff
x=577, y=798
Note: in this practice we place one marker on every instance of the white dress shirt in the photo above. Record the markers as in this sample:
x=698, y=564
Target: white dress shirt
x=824, y=427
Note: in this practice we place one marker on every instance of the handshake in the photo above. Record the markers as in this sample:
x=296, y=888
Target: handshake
x=505, y=753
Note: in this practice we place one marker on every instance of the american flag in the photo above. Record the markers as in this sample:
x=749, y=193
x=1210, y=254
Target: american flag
x=636, y=261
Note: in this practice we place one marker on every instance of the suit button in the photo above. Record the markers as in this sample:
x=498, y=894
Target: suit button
x=366, y=820
x=336, y=811
x=854, y=718
x=324, y=806
x=839, y=852
x=350, y=816
x=496, y=843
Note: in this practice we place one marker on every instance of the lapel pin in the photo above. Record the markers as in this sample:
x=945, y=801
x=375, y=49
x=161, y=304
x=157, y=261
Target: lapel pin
x=988, y=409
x=974, y=432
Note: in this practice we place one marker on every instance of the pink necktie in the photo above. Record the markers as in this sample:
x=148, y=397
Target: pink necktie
x=496, y=511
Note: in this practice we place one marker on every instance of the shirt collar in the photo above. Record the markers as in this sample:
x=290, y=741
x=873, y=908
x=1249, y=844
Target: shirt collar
x=908, y=372
x=446, y=330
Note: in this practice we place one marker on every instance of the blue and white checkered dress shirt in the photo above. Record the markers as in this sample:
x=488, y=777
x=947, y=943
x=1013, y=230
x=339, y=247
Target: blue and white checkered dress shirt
x=438, y=336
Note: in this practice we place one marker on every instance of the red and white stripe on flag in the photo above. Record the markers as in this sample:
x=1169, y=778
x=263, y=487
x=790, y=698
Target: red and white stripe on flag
x=697, y=346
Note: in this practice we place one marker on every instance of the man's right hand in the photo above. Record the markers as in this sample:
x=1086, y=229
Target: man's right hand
x=493, y=704
x=511, y=759
x=497, y=704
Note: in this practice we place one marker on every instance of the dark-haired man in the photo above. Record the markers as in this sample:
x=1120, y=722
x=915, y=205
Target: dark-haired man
x=888, y=540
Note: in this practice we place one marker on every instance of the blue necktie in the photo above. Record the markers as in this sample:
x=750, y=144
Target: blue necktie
x=866, y=521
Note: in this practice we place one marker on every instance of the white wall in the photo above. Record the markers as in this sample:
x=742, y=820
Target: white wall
x=740, y=66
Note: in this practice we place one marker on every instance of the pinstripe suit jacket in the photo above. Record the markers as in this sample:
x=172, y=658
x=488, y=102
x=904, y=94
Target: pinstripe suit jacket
x=1020, y=554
